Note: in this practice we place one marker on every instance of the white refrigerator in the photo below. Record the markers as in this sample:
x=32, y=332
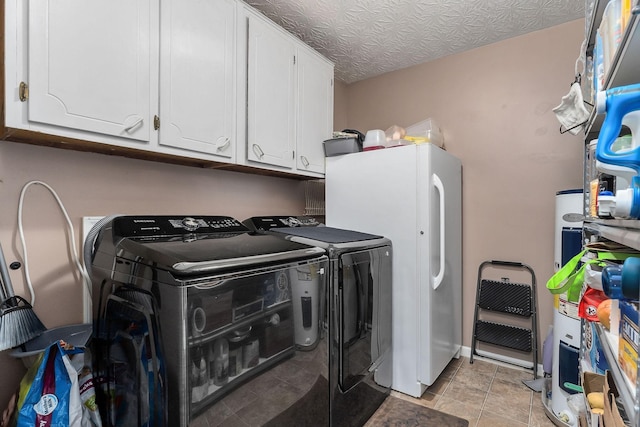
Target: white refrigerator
x=411, y=195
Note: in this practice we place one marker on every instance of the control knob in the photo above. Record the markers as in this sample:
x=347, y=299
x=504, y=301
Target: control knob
x=190, y=224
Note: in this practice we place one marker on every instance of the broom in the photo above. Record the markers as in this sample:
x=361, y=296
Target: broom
x=18, y=322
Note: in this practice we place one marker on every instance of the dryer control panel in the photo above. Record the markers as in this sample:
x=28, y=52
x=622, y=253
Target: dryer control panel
x=266, y=223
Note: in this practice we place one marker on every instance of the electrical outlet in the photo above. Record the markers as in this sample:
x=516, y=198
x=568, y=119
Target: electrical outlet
x=87, y=224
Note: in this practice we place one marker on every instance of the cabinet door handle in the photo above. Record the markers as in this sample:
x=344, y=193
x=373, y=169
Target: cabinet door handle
x=135, y=124
x=304, y=161
x=23, y=92
x=258, y=151
x=222, y=143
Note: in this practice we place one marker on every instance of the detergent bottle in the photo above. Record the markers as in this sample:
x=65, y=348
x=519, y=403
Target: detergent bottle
x=622, y=107
x=622, y=175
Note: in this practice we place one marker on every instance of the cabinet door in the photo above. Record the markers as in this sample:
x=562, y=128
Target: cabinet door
x=270, y=95
x=91, y=65
x=315, y=110
x=198, y=76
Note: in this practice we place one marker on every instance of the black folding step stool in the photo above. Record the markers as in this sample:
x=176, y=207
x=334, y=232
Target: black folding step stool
x=509, y=299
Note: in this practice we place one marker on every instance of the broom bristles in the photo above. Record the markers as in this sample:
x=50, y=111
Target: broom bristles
x=18, y=323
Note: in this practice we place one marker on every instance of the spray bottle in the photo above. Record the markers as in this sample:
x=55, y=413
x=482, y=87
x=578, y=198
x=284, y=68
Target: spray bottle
x=622, y=107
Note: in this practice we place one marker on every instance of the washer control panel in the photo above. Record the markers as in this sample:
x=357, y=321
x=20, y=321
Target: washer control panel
x=131, y=226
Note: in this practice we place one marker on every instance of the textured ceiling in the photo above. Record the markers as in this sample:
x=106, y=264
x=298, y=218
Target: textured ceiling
x=365, y=38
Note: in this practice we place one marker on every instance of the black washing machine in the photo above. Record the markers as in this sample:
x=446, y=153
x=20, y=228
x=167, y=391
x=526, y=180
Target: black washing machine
x=194, y=319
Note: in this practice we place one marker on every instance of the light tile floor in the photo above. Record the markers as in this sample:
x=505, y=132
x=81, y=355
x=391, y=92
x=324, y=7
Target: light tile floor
x=485, y=394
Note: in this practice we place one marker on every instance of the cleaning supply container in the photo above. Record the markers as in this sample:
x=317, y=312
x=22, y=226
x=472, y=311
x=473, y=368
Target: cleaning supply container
x=622, y=281
x=623, y=175
x=621, y=105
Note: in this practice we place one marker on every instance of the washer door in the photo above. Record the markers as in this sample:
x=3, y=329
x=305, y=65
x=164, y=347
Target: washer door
x=135, y=370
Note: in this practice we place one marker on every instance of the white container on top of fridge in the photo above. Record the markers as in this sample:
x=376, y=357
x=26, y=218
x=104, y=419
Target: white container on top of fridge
x=412, y=195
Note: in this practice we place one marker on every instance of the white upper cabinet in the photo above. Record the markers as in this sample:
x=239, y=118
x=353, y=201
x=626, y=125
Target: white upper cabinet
x=289, y=100
x=315, y=109
x=270, y=94
x=89, y=65
x=198, y=76
x=212, y=81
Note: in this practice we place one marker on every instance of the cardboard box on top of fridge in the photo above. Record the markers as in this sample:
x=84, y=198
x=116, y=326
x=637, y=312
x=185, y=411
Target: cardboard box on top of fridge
x=629, y=340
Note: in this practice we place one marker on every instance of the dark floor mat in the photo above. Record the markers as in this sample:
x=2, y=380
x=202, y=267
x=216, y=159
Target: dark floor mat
x=313, y=409
x=400, y=413
x=356, y=411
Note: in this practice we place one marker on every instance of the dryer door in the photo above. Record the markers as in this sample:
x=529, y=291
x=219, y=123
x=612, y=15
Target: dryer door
x=364, y=314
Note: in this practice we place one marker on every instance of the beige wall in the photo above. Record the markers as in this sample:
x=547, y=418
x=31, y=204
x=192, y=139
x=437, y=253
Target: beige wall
x=494, y=106
x=94, y=184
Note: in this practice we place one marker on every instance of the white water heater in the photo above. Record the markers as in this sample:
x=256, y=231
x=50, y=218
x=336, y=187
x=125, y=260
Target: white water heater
x=566, y=323
x=568, y=226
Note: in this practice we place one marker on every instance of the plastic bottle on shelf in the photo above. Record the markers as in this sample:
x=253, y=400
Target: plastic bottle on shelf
x=195, y=366
x=598, y=64
x=198, y=367
x=612, y=281
x=235, y=358
x=211, y=363
x=202, y=378
x=622, y=281
x=220, y=361
x=251, y=353
x=622, y=107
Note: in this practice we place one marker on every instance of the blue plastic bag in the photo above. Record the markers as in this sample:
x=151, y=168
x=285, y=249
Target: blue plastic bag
x=53, y=400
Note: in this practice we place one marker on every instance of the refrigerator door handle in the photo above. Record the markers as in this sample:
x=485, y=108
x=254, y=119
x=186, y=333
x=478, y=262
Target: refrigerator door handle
x=437, y=183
